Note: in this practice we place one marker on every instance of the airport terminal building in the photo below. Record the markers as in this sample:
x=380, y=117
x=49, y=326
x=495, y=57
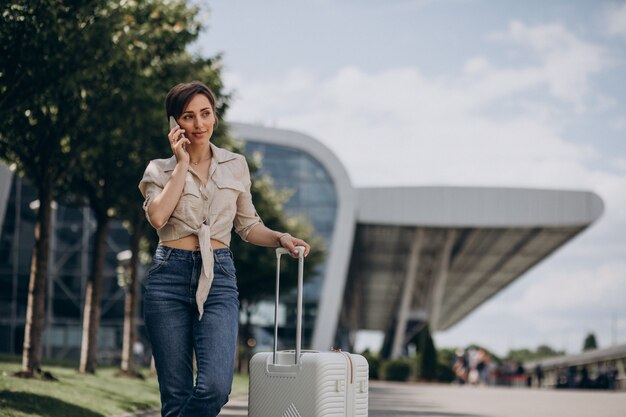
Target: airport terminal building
x=397, y=258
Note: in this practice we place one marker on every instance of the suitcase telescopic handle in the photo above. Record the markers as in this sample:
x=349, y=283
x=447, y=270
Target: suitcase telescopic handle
x=279, y=253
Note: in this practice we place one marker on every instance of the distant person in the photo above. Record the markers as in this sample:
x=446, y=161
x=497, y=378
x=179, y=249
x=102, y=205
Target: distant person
x=611, y=375
x=492, y=372
x=194, y=199
x=460, y=367
x=585, y=381
x=521, y=378
x=572, y=375
x=482, y=365
x=561, y=379
x=602, y=380
x=472, y=374
x=539, y=375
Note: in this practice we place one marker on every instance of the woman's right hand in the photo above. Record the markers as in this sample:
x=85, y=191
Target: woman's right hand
x=178, y=141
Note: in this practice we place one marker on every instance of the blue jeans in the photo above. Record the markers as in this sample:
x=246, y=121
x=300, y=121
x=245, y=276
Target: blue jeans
x=171, y=318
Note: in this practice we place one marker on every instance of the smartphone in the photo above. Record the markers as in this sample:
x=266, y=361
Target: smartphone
x=173, y=124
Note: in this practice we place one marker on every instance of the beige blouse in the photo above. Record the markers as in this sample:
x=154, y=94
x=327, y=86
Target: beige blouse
x=207, y=210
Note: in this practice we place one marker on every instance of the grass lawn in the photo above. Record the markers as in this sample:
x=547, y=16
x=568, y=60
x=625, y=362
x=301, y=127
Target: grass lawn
x=78, y=395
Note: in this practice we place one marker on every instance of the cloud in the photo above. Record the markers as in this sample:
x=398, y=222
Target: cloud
x=490, y=125
x=620, y=164
x=567, y=61
x=616, y=20
x=619, y=123
x=425, y=129
x=487, y=126
x=599, y=289
x=553, y=305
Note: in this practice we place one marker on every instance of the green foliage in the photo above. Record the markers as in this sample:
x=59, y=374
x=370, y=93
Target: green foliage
x=75, y=395
x=446, y=355
x=256, y=266
x=546, y=351
x=80, y=395
x=525, y=355
x=82, y=87
x=428, y=355
x=426, y=359
x=396, y=370
x=417, y=364
x=124, y=118
x=43, y=71
x=49, y=52
x=444, y=373
x=443, y=367
x=374, y=364
x=590, y=342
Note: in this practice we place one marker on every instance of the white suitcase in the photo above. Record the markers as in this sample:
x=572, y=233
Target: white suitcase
x=306, y=384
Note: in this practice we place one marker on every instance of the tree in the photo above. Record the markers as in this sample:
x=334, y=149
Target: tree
x=545, y=351
x=427, y=354
x=256, y=265
x=121, y=121
x=42, y=81
x=149, y=119
x=73, y=116
x=590, y=342
x=525, y=355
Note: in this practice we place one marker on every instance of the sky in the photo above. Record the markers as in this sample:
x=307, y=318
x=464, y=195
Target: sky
x=458, y=92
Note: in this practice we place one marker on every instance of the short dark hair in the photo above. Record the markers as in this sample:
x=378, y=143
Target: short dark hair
x=181, y=94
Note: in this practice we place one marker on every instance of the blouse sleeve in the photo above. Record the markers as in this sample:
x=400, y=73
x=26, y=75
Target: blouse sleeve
x=150, y=186
x=246, y=217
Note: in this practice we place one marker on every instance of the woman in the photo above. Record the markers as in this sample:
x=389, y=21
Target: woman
x=194, y=199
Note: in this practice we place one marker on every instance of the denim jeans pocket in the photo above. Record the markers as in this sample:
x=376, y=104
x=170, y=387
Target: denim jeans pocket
x=159, y=259
x=155, y=266
x=226, y=266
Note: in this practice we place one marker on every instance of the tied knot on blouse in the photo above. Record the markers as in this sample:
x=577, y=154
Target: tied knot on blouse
x=209, y=210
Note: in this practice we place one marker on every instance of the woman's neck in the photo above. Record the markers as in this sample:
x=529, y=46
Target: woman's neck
x=199, y=152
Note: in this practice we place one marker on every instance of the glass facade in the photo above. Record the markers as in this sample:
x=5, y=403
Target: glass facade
x=314, y=196
x=69, y=263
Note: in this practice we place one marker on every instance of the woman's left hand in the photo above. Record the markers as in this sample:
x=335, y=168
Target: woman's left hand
x=289, y=242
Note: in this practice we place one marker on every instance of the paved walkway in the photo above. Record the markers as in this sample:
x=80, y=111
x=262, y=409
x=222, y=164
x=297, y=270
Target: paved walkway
x=425, y=400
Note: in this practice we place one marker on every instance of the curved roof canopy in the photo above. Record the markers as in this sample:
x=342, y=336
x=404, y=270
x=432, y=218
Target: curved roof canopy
x=408, y=255
x=474, y=242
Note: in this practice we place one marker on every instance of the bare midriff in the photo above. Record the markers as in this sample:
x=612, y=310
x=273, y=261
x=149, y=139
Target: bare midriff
x=191, y=243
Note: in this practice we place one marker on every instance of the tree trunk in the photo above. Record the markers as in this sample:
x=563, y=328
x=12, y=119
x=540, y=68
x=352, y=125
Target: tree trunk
x=130, y=299
x=31, y=354
x=91, y=315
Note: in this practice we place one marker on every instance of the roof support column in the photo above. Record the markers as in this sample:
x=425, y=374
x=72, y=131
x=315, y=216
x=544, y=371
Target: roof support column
x=440, y=282
x=407, y=294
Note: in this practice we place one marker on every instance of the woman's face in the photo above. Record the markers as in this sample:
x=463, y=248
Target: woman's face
x=198, y=119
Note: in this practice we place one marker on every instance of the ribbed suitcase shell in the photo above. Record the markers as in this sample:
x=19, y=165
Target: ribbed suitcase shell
x=324, y=384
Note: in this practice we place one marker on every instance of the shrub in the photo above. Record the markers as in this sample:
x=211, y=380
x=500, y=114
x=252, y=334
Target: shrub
x=445, y=373
x=374, y=364
x=396, y=370
x=428, y=356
